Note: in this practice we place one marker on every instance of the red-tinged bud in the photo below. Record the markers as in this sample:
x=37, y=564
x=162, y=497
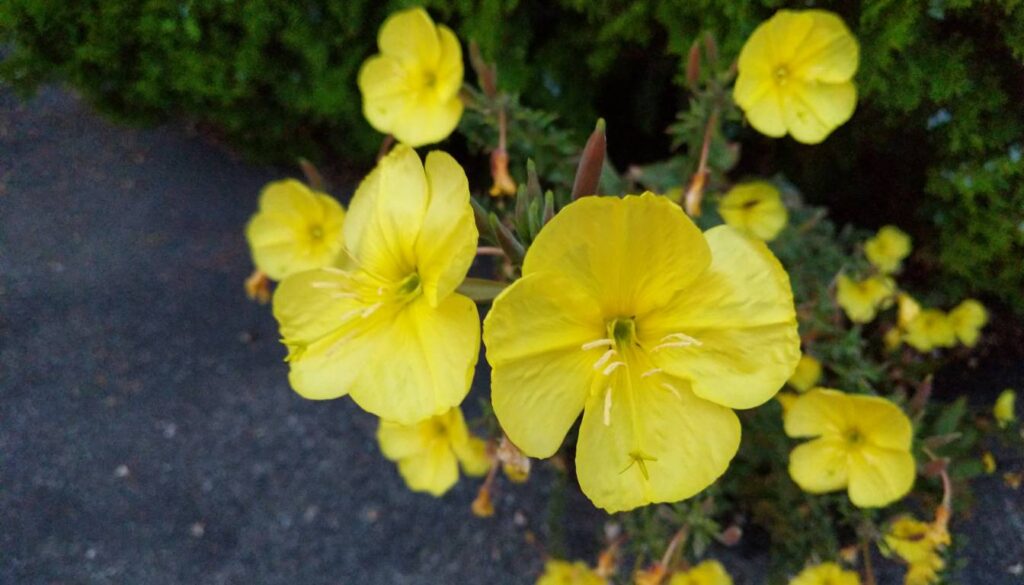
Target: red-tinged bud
x=693, y=65
x=486, y=74
x=588, y=173
x=257, y=287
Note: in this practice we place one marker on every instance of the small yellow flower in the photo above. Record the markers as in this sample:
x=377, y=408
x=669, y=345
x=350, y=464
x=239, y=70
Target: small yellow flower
x=861, y=300
x=1004, y=408
x=931, y=328
x=807, y=373
x=907, y=310
x=887, y=249
x=654, y=330
x=428, y=453
x=967, y=319
x=861, y=443
x=988, y=461
x=796, y=75
x=919, y=544
x=411, y=89
x=706, y=573
x=825, y=574
x=566, y=573
x=755, y=209
x=388, y=327
x=295, y=229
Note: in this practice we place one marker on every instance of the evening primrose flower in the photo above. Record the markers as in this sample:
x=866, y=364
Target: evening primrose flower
x=295, y=229
x=887, y=249
x=1004, y=409
x=411, y=89
x=967, y=319
x=861, y=443
x=565, y=573
x=755, y=209
x=428, y=453
x=919, y=544
x=655, y=331
x=705, y=573
x=825, y=574
x=387, y=327
x=862, y=299
x=795, y=75
x=931, y=328
x=807, y=373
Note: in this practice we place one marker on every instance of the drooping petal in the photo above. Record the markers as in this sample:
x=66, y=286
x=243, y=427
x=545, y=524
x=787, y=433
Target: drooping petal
x=411, y=37
x=814, y=109
x=447, y=241
x=660, y=443
x=740, y=318
x=631, y=254
x=385, y=215
x=819, y=466
x=424, y=363
x=433, y=471
x=541, y=374
x=879, y=477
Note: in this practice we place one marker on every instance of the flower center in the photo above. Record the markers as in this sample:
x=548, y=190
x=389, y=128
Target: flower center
x=429, y=79
x=410, y=286
x=854, y=437
x=316, y=232
x=622, y=332
x=781, y=74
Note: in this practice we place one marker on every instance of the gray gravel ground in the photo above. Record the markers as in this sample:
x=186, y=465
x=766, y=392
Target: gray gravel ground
x=147, y=434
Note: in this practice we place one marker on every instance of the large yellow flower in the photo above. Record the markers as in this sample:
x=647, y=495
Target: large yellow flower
x=627, y=312
x=388, y=327
x=862, y=299
x=411, y=89
x=706, y=573
x=429, y=452
x=796, y=75
x=861, y=443
x=565, y=573
x=967, y=319
x=825, y=574
x=295, y=229
x=755, y=209
x=887, y=249
x=931, y=328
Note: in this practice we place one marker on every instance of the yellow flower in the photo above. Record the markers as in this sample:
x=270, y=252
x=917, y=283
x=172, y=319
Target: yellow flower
x=907, y=310
x=706, y=573
x=755, y=209
x=295, y=229
x=429, y=452
x=887, y=249
x=967, y=319
x=988, y=461
x=825, y=574
x=786, y=400
x=388, y=327
x=1004, y=408
x=796, y=75
x=861, y=443
x=931, y=328
x=919, y=544
x=655, y=331
x=861, y=300
x=411, y=89
x=807, y=373
x=566, y=573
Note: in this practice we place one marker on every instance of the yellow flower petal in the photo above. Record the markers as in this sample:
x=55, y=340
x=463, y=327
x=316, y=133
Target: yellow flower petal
x=430, y=352
x=931, y=328
x=807, y=373
x=887, y=249
x=755, y=209
x=879, y=477
x=705, y=573
x=428, y=452
x=967, y=319
x=541, y=375
x=447, y=241
x=741, y=313
x=427, y=120
x=1005, y=408
x=473, y=456
x=383, y=84
x=411, y=37
x=861, y=300
x=565, y=573
x=450, y=67
x=595, y=242
x=829, y=52
x=813, y=109
x=819, y=466
x=434, y=471
x=658, y=442
x=826, y=574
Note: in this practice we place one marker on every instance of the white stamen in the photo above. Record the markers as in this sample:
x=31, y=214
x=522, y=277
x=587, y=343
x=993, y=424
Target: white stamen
x=608, y=406
x=371, y=309
x=611, y=368
x=324, y=284
x=334, y=270
x=672, y=389
x=601, y=361
x=596, y=344
x=340, y=295
x=380, y=291
x=676, y=340
x=650, y=373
